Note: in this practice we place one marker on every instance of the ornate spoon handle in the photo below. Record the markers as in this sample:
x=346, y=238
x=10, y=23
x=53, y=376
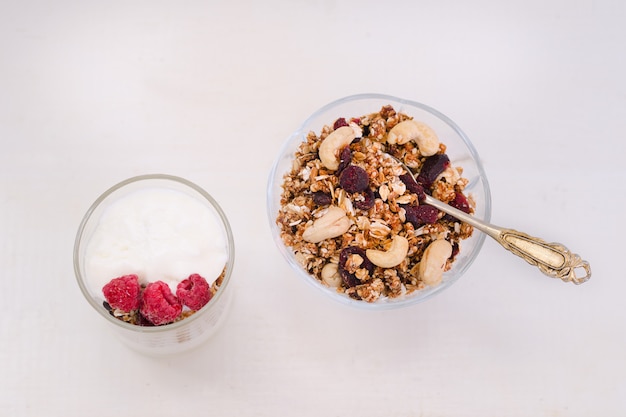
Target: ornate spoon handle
x=553, y=259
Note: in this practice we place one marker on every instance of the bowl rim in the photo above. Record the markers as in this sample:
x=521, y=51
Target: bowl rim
x=286, y=251
x=170, y=326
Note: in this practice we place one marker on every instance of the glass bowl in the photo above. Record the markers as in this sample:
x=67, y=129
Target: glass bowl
x=459, y=149
x=191, y=331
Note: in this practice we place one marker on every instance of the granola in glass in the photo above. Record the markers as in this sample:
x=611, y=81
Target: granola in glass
x=353, y=215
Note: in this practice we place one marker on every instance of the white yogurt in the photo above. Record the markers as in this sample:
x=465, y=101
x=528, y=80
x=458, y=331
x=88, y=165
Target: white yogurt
x=157, y=234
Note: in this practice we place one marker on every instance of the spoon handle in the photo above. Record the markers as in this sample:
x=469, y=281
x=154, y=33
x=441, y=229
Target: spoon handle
x=553, y=259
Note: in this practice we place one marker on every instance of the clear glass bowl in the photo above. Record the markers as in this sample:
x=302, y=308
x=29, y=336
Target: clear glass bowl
x=459, y=149
x=170, y=338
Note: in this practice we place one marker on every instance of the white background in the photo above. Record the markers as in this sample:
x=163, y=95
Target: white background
x=94, y=92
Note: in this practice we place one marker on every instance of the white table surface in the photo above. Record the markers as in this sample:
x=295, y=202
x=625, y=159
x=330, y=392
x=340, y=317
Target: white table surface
x=94, y=92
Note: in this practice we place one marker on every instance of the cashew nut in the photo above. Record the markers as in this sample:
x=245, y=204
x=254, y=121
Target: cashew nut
x=330, y=275
x=332, y=224
x=332, y=144
x=420, y=132
x=392, y=257
x=434, y=261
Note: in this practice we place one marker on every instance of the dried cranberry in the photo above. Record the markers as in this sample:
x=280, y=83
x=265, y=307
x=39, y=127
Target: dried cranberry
x=455, y=250
x=368, y=202
x=143, y=321
x=460, y=202
x=321, y=198
x=344, y=159
x=108, y=307
x=349, y=279
x=354, y=179
x=432, y=167
x=413, y=186
x=340, y=123
x=421, y=215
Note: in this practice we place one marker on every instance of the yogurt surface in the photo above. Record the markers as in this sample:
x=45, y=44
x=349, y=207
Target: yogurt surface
x=157, y=234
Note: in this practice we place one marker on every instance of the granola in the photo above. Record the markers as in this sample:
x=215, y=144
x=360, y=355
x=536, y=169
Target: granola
x=363, y=230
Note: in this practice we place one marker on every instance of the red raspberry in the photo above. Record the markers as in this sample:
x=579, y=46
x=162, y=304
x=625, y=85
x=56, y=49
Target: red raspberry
x=159, y=305
x=194, y=292
x=123, y=293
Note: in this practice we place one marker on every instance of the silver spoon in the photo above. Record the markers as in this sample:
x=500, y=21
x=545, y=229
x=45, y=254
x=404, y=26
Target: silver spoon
x=553, y=259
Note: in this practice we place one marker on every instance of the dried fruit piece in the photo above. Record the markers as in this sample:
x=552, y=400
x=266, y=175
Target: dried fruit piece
x=108, y=307
x=339, y=123
x=140, y=320
x=432, y=167
x=421, y=215
x=123, y=293
x=460, y=202
x=413, y=186
x=368, y=200
x=345, y=157
x=159, y=305
x=354, y=179
x=194, y=292
x=349, y=278
x=365, y=129
x=455, y=250
x=321, y=198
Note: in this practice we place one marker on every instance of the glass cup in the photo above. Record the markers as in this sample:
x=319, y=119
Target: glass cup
x=178, y=336
x=460, y=150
